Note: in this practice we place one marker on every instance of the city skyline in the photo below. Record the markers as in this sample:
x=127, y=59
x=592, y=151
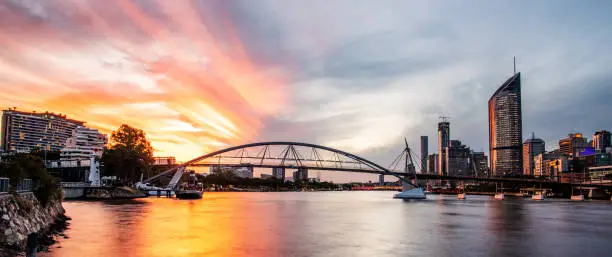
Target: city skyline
x=360, y=92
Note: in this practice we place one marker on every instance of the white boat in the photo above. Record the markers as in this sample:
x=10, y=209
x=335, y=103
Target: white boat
x=461, y=196
x=577, y=198
x=499, y=196
x=415, y=193
x=538, y=196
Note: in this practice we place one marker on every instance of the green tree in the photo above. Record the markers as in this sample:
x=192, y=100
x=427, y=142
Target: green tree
x=28, y=165
x=129, y=154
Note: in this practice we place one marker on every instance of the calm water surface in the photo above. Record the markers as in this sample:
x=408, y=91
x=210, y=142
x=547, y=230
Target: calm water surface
x=336, y=224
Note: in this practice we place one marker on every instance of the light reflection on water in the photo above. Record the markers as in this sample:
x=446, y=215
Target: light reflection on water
x=335, y=224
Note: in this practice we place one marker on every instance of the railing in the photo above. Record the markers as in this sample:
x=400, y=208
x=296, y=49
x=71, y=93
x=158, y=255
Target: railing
x=4, y=185
x=26, y=185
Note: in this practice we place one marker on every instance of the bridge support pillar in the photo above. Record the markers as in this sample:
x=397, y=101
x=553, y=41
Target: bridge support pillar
x=381, y=179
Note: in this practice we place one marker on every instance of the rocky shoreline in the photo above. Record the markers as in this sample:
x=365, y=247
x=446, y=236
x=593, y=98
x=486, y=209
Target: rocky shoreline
x=26, y=222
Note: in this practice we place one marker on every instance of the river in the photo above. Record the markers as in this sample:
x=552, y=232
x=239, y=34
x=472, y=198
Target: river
x=336, y=224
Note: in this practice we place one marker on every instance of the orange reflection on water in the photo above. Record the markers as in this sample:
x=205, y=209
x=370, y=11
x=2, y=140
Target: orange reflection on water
x=216, y=226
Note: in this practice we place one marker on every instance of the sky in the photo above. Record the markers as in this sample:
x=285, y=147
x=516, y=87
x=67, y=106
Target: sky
x=355, y=75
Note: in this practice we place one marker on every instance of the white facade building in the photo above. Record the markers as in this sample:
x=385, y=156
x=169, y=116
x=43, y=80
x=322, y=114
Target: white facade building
x=83, y=144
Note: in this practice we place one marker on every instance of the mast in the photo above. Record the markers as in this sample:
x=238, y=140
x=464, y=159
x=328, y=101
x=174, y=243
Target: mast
x=410, y=166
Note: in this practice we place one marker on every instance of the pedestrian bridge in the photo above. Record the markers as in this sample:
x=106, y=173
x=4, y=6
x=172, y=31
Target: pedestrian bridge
x=288, y=155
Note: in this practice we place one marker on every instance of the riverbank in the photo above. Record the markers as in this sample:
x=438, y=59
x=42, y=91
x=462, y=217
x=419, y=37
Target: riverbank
x=22, y=215
x=107, y=193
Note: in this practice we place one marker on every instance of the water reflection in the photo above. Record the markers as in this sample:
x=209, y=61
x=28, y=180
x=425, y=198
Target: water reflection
x=334, y=224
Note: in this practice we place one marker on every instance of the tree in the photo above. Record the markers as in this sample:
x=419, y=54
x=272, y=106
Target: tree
x=129, y=154
x=28, y=165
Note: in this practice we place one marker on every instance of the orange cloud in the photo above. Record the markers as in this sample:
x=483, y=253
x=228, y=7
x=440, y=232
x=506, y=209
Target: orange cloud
x=157, y=67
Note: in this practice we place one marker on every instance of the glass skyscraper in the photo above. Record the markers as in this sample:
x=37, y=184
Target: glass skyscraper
x=506, y=128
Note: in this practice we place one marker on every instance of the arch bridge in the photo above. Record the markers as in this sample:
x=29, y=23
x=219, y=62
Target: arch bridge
x=288, y=155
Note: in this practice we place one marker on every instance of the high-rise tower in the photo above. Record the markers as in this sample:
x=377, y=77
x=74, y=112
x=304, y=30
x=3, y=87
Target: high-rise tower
x=424, y=153
x=443, y=142
x=506, y=128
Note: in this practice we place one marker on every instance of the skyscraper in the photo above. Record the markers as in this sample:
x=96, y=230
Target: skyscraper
x=531, y=148
x=424, y=153
x=601, y=140
x=506, y=128
x=443, y=142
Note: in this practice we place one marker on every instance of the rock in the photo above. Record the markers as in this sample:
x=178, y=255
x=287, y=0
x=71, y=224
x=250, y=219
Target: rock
x=5, y=217
x=8, y=231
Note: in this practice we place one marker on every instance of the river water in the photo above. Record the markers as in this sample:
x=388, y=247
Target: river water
x=336, y=224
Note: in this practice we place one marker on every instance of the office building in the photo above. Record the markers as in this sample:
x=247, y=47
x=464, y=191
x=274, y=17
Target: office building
x=278, y=173
x=24, y=131
x=541, y=163
x=424, y=153
x=573, y=145
x=601, y=140
x=432, y=164
x=302, y=174
x=443, y=142
x=83, y=144
x=244, y=172
x=458, y=159
x=506, y=128
x=531, y=148
x=480, y=163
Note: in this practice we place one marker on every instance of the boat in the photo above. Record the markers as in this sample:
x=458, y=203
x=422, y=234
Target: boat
x=538, y=196
x=191, y=190
x=412, y=194
x=499, y=196
x=461, y=196
x=577, y=197
x=461, y=192
x=189, y=194
x=417, y=192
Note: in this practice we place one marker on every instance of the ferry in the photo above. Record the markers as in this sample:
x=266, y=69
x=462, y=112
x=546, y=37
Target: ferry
x=189, y=194
x=413, y=194
x=191, y=190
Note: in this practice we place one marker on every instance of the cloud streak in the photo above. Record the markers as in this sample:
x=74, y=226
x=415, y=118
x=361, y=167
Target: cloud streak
x=152, y=65
x=355, y=75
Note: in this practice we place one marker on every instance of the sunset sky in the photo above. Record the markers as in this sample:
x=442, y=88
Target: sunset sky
x=356, y=75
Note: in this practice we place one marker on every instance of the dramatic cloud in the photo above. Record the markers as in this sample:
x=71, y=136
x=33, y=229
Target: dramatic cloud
x=159, y=67
x=356, y=75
